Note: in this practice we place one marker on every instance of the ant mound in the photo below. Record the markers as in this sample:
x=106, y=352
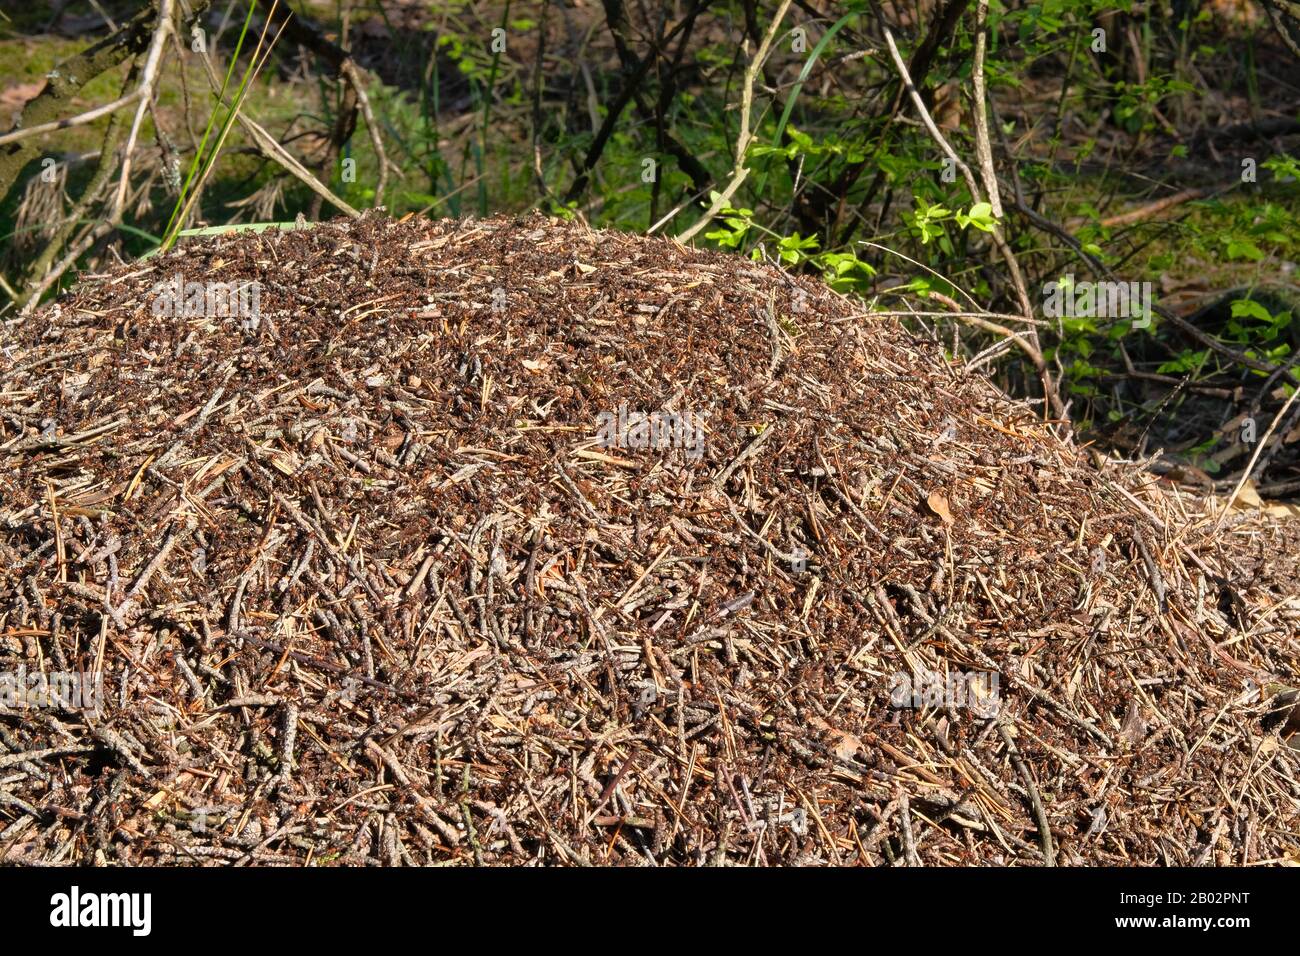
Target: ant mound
x=510, y=541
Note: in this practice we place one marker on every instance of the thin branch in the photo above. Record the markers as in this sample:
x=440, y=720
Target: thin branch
x=273, y=151
x=81, y=119
x=1013, y=266
x=740, y=171
x=353, y=75
x=103, y=170
x=625, y=96
x=983, y=150
x=145, y=94
x=68, y=78
x=306, y=33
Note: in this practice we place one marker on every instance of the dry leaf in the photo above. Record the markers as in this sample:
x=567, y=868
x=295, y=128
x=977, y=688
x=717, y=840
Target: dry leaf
x=939, y=505
x=18, y=95
x=1281, y=509
x=1134, y=729
x=1248, y=498
x=844, y=745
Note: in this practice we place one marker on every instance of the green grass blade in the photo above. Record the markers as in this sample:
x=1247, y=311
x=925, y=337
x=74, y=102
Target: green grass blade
x=798, y=86
x=203, y=143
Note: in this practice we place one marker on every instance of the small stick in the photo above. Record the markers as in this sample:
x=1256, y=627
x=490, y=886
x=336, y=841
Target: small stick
x=1044, y=831
x=740, y=171
x=145, y=95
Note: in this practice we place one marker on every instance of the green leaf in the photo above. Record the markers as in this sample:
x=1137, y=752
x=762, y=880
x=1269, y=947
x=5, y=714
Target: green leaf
x=1250, y=309
x=1244, y=249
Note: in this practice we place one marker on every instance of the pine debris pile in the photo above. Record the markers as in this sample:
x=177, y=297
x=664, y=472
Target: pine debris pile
x=510, y=541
